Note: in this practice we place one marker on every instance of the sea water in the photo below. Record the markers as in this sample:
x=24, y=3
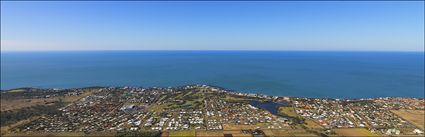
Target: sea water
x=284, y=73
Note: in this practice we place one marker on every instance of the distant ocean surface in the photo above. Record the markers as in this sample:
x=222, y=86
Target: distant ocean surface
x=304, y=74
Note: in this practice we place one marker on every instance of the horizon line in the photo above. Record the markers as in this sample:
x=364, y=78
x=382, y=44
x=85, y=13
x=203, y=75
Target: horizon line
x=178, y=50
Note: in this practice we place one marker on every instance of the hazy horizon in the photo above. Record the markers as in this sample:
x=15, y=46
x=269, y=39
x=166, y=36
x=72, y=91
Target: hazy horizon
x=182, y=50
x=252, y=26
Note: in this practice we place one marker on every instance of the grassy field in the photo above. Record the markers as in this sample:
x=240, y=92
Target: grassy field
x=416, y=117
x=238, y=127
x=46, y=134
x=13, y=104
x=408, y=131
x=183, y=133
x=289, y=111
x=69, y=99
x=290, y=132
x=203, y=133
x=354, y=132
x=312, y=124
x=156, y=108
x=22, y=103
x=16, y=90
x=233, y=99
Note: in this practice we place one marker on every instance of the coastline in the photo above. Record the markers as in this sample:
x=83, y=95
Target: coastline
x=248, y=94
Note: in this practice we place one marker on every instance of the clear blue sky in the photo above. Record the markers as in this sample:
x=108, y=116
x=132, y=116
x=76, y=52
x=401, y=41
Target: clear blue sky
x=107, y=25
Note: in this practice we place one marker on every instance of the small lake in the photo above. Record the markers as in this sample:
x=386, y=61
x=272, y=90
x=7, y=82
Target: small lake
x=272, y=107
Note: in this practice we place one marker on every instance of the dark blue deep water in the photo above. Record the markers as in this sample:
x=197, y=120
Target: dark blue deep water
x=306, y=74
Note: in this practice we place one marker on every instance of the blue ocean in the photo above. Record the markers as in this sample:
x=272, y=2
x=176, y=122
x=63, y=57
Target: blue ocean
x=283, y=73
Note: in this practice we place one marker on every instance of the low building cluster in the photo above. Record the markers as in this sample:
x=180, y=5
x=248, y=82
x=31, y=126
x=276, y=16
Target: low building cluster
x=130, y=109
x=373, y=114
x=210, y=108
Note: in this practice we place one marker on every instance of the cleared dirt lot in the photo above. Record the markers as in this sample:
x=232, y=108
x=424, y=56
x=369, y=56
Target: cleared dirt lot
x=236, y=133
